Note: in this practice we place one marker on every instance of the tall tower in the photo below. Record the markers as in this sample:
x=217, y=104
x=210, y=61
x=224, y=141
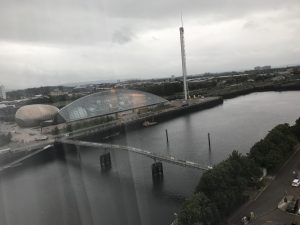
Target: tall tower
x=184, y=73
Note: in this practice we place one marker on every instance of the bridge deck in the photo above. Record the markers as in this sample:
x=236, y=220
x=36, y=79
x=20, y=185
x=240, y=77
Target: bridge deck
x=169, y=159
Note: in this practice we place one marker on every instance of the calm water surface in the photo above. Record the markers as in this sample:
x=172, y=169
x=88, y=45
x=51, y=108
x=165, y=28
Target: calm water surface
x=50, y=189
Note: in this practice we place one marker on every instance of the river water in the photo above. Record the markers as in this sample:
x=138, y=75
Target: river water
x=51, y=189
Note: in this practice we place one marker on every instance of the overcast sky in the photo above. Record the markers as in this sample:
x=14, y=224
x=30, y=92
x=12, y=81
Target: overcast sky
x=49, y=42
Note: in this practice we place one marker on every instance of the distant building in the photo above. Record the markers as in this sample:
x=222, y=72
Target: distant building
x=262, y=68
x=266, y=67
x=291, y=71
x=57, y=92
x=81, y=89
x=2, y=92
x=278, y=78
x=7, y=112
x=257, y=68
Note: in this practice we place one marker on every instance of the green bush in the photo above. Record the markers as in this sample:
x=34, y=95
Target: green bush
x=5, y=139
x=198, y=210
x=69, y=128
x=296, y=128
x=55, y=131
x=226, y=183
x=273, y=150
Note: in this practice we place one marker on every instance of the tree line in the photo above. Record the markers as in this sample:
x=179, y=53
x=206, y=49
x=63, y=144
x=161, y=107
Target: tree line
x=81, y=125
x=223, y=189
x=5, y=139
x=166, y=89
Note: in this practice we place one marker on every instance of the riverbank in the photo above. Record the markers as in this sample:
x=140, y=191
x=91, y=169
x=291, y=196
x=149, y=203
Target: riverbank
x=224, y=188
x=15, y=152
x=263, y=205
x=239, y=91
x=114, y=127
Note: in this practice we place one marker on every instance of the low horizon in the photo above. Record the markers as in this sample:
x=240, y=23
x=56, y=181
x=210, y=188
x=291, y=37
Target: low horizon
x=160, y=77
x=59, y=42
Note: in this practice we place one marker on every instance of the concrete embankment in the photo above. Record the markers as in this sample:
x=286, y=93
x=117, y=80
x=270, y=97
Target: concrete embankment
x=176, y=112
x=160, y=116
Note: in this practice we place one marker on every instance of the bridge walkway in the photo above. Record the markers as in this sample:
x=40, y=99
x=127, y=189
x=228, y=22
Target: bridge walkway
x=155, y=156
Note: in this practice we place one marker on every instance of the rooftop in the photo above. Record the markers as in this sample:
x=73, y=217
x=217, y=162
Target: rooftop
x=107, y=102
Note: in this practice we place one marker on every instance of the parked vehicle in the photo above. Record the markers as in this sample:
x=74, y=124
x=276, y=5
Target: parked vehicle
x=296, y=183
x=148, y=124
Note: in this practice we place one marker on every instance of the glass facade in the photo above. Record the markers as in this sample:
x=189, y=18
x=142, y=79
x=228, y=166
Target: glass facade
x=107, y=102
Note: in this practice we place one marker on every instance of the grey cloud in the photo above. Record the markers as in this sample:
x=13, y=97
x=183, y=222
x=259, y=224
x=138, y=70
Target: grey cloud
x=94, y=21
x=51, y=41
x=250, y=24
x=215, y=9
x=122, y=36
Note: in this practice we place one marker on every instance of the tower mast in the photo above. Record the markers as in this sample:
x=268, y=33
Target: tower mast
x=183, y=60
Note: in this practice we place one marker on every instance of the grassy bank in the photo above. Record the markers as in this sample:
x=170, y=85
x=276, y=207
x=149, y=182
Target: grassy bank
x=224, y=188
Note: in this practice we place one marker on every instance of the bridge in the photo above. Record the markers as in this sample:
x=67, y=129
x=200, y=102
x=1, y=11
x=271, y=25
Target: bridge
x=155, y=156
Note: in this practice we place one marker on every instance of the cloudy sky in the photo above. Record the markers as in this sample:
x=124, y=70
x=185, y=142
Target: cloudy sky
x=52, y=42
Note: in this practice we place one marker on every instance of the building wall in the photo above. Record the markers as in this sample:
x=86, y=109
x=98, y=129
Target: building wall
x=2, y=92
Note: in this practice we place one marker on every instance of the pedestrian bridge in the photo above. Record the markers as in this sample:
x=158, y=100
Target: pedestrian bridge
x=155, y=156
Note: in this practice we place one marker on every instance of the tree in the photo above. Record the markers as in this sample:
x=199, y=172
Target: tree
x=55, y=131
x=69, y=128
x=273, y=150
x=198, y=210
x=5, y=139
x=222, y=189
x=226, y=183
x=9, y=136
x=296, y=128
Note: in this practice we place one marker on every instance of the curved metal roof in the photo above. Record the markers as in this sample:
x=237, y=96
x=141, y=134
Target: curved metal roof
x=33, y=115
x=108, y=102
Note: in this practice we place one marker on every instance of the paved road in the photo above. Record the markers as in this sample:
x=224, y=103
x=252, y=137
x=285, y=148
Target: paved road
x=265, y=206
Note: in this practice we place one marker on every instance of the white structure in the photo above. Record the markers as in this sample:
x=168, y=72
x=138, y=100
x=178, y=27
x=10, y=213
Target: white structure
x=33, y=115
x=184, y=73
x=2, y=92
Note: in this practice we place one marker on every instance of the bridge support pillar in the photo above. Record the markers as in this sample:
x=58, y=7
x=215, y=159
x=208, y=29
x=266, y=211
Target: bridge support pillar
x=157, y=170
x=105, y=161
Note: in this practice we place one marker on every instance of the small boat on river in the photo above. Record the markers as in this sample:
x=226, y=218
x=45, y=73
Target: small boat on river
x=148, y=124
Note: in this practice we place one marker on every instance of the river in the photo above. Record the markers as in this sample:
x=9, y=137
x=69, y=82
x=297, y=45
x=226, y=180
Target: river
x=49, y=189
